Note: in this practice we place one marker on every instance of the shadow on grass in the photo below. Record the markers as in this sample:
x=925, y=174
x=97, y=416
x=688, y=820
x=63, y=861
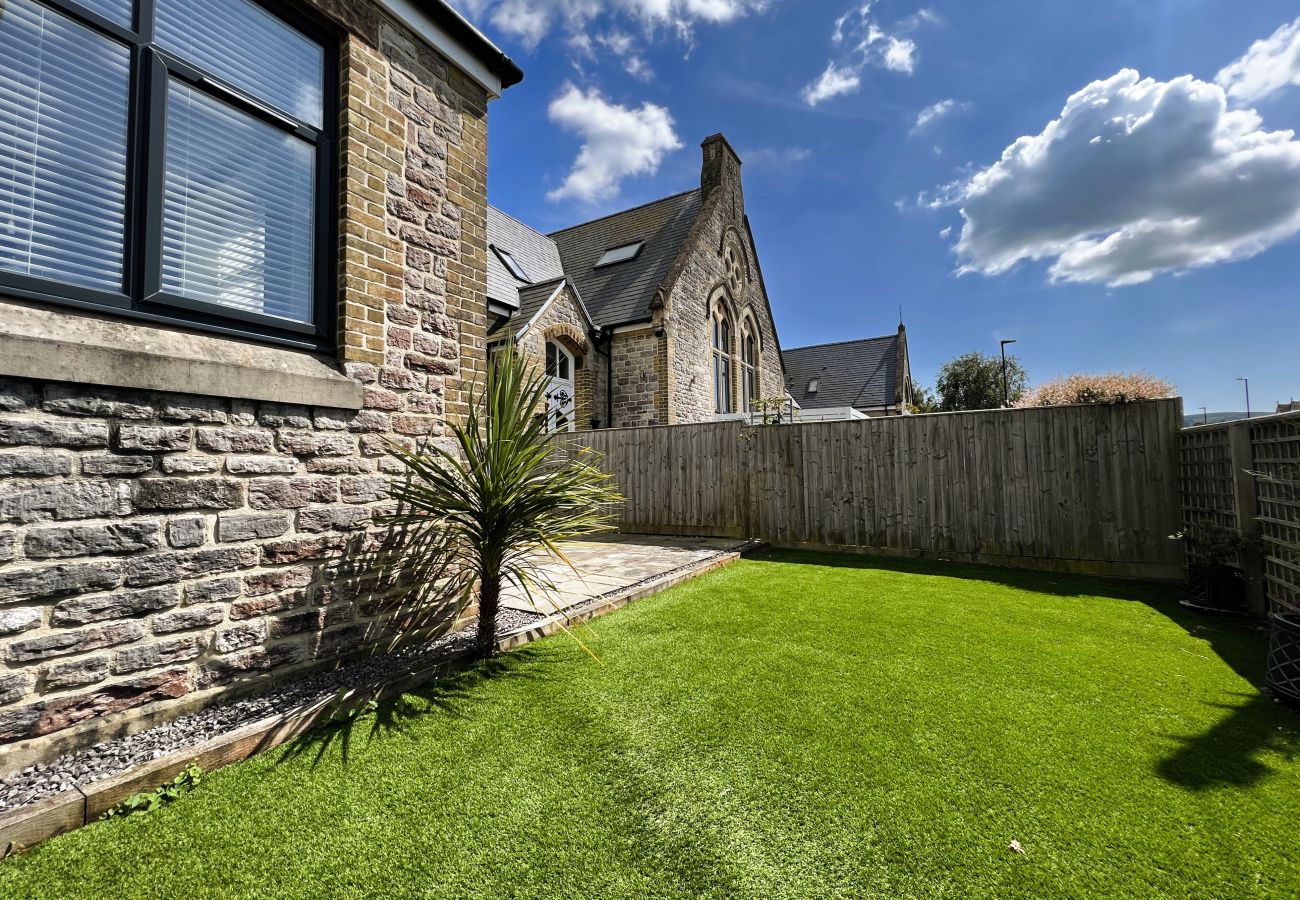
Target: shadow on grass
x=382, y=712
x=1056, y=583
x=1226, y=754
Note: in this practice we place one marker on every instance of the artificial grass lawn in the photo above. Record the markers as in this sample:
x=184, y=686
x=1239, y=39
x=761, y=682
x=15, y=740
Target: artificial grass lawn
x=798, y=725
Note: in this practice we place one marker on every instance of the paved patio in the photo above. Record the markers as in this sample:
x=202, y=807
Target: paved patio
x=612, y=564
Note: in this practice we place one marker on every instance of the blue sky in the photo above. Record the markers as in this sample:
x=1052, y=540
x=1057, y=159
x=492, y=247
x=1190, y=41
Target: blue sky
x=1153, y=227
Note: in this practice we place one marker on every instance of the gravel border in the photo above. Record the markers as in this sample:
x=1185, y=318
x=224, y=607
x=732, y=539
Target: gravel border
x=109, y=758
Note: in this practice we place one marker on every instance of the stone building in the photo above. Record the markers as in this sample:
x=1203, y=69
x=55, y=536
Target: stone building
x=656, y=315
x=230, y=273
x=851, y=379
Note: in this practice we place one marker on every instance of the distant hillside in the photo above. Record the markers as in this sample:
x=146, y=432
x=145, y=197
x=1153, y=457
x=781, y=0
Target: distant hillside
x=1215, y=417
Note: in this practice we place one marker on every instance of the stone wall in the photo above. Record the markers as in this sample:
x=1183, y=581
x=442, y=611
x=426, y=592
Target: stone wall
x=705, y=277
x=636, y=378
x=157, y=549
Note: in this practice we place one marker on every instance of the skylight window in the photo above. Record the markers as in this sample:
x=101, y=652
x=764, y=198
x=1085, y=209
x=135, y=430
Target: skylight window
x=620, y=254
x=814, y=385
x=509, y=262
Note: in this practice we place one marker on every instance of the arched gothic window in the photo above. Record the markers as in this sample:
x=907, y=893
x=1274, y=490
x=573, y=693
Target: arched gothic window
x=748, y=368
x=721, y=362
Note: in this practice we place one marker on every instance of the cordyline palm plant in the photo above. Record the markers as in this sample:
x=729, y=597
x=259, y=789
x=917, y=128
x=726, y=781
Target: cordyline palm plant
x=482, y=516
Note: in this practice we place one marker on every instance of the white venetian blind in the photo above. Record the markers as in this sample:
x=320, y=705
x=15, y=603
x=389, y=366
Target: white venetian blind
x=238, y=209
x=250, y=48
x=63, y=125
x=118, y=11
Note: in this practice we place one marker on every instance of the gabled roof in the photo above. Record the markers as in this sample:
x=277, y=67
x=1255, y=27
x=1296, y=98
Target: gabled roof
x=622, y=293
x=535, y=253
x=850, y=373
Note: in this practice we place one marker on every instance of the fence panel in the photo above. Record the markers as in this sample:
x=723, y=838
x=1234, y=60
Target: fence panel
x=1080, y=488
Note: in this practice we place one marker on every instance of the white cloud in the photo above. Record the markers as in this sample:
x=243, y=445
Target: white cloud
x=831, y=83
x=863, y=42
x=624, y=46
x=899, y=55
x=945, y=232
x=1136, y=177
x=618, y=142
x=532, y=20
x=936, y=111
x=1269, y=65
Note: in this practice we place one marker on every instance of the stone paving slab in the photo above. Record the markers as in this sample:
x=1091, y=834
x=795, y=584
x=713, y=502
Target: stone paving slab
x=614, y=562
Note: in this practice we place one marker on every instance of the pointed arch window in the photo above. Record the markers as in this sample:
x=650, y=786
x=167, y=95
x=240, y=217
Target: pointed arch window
x=748, y=368
x=721, y=362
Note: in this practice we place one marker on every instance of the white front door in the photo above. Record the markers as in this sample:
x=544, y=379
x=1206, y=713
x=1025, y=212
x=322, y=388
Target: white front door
x=559, y=390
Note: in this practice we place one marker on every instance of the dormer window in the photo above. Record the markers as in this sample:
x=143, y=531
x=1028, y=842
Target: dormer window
x=509, y=262
x=623, y=253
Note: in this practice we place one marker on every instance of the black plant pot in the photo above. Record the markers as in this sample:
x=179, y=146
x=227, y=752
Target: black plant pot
x=1216, y=588
x=1283, y=673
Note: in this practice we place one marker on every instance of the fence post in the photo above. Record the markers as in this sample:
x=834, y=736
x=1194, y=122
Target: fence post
x=1247, y=508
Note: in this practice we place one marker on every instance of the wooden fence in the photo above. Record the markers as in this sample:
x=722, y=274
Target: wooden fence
x=1080, y=488
x=1242, y=476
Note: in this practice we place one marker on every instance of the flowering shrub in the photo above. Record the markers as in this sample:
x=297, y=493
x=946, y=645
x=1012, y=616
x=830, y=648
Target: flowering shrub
x=1106, y=387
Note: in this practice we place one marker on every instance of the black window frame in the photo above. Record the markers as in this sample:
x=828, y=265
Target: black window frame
x=141, y=296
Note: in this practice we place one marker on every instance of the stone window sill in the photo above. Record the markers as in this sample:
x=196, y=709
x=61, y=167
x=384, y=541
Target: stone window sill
x=56, y=345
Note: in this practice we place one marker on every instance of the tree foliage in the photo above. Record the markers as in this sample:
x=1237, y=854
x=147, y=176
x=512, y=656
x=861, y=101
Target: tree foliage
x=1103, y=387
x=482, y=516
x=974, y=381
x=923, y=400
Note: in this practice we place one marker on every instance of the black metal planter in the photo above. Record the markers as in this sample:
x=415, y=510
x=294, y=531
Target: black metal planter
x=1216, y=588
x=1283, y=674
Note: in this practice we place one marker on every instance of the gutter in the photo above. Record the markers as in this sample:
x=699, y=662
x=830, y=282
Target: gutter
x=449, y=32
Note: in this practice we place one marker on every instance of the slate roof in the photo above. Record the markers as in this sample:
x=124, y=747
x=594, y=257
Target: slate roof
x=535, y=253
x=861, y=373
x=622, y=293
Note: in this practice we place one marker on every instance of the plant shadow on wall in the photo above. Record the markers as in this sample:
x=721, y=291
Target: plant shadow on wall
x=468, y=520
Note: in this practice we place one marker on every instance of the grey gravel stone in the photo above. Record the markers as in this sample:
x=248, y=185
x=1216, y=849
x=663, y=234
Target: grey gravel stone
x=114, y=757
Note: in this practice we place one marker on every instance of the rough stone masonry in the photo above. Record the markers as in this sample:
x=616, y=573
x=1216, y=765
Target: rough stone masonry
x=159, y=549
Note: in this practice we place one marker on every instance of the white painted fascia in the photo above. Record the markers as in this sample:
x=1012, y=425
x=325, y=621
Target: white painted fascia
x=408, y=14
x=543, y=308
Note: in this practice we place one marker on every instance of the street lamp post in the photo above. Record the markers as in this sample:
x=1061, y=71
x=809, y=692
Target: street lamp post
x=1246, y=381
x=1006, y=390
x=1205, y=416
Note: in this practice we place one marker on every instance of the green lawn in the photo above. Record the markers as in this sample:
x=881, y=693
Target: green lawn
x=797, y=725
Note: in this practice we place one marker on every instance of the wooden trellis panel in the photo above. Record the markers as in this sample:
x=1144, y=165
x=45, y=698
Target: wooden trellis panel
x=1275, y=446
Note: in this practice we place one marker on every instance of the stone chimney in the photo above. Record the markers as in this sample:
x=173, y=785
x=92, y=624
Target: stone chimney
x=721, y=165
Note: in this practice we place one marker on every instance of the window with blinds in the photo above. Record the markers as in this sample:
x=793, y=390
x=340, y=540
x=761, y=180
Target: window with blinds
x=205, y=198
x=63, y=131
